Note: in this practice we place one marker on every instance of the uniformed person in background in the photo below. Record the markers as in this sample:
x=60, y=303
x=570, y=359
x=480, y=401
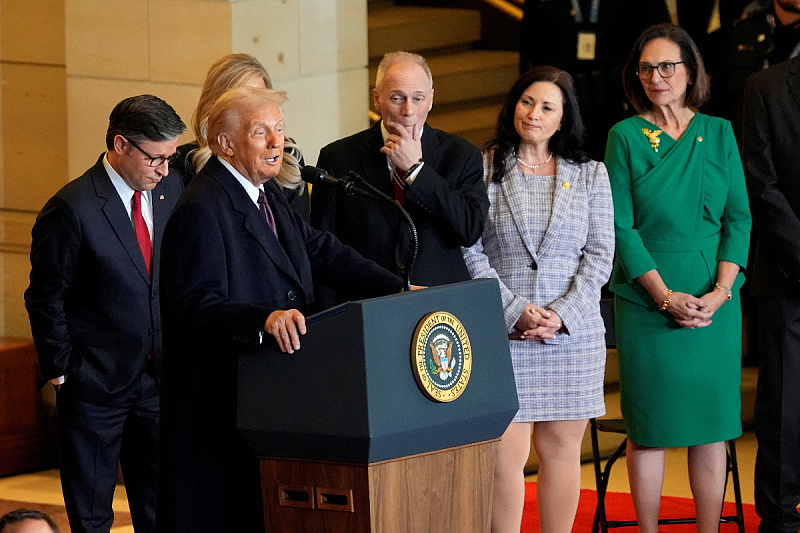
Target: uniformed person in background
x=767, y=33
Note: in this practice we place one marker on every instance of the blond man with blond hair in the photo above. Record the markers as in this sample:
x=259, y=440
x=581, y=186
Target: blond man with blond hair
x=238, y=269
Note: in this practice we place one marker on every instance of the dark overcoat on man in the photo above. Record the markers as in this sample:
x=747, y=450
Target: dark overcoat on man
x=224, y=273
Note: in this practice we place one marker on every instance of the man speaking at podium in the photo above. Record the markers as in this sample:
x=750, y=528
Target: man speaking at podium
x=237, y=269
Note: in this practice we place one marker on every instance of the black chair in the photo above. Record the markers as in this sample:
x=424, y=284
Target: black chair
x=601, y=522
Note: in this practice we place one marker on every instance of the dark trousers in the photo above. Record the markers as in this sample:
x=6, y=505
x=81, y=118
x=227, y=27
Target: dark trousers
x=777, y=415
x=94, y=439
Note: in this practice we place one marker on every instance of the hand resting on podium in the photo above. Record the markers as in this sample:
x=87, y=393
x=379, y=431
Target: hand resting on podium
x=286, y=327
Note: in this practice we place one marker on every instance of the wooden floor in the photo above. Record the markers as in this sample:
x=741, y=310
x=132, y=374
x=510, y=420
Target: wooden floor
x=45, y=487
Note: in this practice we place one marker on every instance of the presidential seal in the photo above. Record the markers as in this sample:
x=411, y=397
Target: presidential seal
x=441, y=357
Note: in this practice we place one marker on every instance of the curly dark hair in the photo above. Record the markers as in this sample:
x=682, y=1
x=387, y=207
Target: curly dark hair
x=566, y=142
x=698, y=89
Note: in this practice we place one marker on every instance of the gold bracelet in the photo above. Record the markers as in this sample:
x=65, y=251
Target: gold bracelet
x=725, y=289
x=665, y=303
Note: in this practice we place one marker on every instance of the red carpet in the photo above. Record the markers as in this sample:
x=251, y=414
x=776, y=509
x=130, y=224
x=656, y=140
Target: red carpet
x=620, y=507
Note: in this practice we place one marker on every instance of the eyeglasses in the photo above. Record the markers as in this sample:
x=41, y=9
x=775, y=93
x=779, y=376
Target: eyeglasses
x=155, y=161
x=666, y=69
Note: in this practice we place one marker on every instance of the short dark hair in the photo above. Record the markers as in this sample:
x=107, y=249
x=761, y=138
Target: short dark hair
x=143, y=119
x=566, y=142
x=20, y=515
x=699, y=86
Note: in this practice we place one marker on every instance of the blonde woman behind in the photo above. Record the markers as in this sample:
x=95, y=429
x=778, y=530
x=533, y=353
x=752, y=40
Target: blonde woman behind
x=231, y=71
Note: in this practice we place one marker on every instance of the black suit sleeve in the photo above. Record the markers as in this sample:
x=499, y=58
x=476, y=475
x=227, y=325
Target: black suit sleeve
x=195, y=292
x=778, y=223
x=323, y=199
x=55, y=253
x=454, y=194
x=341, y=267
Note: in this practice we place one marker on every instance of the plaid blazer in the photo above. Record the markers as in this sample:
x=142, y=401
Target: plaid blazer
x=572, y=262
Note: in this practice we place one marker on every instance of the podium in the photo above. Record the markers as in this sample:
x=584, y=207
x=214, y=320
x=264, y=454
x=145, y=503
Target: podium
x=350, y=441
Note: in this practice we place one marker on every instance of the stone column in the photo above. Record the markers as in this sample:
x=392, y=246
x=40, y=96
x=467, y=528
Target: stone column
x=33, y=141
x=64, y=64
x=316, y=50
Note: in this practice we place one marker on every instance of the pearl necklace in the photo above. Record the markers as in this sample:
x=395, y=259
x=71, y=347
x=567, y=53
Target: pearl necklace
x=534, y=167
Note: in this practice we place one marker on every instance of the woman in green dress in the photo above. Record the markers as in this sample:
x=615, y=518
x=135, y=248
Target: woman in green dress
x=682, y=233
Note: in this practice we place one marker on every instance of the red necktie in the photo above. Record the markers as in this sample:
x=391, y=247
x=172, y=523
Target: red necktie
x=266, y=211
x=142, y=233
x=399, y=185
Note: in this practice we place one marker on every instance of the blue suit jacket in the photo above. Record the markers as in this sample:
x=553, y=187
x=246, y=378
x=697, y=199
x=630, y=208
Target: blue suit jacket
x=93, y=308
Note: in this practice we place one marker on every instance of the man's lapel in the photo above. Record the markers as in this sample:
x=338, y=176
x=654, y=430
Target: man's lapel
x=254, y=222
x=793, y=80
x=117, y=216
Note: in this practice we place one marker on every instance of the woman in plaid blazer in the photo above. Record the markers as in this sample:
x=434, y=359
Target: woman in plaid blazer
x=549, y=241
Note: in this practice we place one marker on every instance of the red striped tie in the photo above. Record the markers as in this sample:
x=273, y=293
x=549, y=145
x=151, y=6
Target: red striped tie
x=399, y=185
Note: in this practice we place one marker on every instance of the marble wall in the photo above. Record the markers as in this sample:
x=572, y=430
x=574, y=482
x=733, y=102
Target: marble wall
x=64, y=64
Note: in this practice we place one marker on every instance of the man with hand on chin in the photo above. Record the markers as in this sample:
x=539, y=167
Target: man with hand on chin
x=435, y=176
x=238, y=268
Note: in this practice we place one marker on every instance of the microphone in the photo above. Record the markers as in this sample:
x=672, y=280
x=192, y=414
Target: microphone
x=317, y=176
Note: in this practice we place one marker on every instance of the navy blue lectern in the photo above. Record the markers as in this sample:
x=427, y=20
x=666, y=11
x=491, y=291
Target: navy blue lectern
x=347, y=438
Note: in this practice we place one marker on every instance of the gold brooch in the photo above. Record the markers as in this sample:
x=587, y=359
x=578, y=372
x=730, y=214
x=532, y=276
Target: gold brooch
x=652, y=136
x=565, y=185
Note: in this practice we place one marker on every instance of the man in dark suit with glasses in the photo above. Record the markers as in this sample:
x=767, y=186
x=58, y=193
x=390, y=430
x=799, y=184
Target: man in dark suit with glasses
x=93, y=303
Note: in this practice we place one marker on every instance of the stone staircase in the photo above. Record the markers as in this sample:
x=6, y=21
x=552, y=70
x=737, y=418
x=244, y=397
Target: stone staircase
x=469, y=84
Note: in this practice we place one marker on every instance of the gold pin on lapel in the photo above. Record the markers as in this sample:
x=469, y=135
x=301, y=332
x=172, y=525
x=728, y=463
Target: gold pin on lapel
x=565, y=185
x=652, y=136
x=700, y=139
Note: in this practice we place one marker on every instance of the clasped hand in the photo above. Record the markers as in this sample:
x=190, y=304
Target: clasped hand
x=536, y=323
x=692, y=312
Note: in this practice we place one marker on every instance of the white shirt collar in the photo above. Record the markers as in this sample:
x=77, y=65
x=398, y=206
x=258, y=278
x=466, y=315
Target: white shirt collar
x=126, y=193
x=249, y=187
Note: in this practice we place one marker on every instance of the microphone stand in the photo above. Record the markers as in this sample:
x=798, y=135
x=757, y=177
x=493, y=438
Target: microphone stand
x=370, y=191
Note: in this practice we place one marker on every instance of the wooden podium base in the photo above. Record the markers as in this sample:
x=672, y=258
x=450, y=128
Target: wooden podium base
x=447, y=490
